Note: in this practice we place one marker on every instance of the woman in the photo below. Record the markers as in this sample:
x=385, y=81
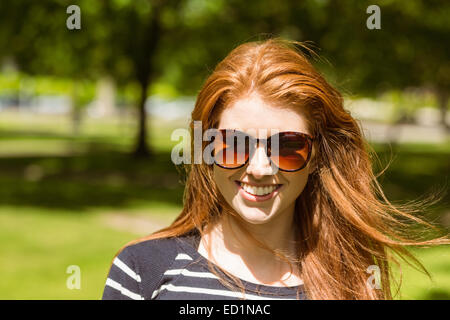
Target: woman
x=292, y=212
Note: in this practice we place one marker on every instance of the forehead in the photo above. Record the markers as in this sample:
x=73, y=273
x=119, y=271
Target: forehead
x=252, y=113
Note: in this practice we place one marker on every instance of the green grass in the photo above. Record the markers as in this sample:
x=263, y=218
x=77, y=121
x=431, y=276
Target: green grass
x=417, y=285
x=39, y=245
x=58, y=189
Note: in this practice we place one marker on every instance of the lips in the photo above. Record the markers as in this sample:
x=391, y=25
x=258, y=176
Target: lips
x=257, y=192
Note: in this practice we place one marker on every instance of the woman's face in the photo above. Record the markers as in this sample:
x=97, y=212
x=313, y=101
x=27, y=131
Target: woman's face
x=252, y=115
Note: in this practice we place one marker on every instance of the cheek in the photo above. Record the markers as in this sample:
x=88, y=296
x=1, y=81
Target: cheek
x=224, y=182
x=297, y=183
x=220, y=175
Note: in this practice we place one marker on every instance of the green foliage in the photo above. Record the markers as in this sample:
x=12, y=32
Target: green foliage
x=82, y=91
x=409, y=50
x=10, y=83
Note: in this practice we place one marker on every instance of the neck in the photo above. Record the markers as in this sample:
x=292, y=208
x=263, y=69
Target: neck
x=279, y=233
x=232, y=247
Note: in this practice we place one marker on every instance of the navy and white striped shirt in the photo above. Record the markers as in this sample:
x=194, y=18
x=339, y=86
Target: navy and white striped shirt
x=187, y=277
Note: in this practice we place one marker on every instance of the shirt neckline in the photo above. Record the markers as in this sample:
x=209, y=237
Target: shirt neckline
x=191, y=243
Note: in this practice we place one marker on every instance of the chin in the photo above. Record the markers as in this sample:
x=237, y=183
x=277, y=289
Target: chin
x=255, y=215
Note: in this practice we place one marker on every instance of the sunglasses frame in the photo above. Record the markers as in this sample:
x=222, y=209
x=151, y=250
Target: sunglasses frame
x=309, y=140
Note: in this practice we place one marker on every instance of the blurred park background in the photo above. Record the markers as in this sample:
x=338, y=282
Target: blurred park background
x=86, y=117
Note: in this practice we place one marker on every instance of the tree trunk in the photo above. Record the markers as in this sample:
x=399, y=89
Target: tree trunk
x=142, y=149
x=442, y=98
x=147, y=44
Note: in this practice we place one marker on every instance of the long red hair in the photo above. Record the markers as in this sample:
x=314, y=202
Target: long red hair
x=345, y=222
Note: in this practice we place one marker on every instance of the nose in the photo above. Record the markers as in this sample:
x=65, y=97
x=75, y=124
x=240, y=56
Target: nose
x=259, y=164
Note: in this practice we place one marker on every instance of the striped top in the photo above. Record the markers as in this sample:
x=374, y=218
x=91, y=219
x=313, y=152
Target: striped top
x=186, y=277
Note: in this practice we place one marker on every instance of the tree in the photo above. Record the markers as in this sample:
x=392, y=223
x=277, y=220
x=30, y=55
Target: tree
x=180, y=41
x=117, y=38
x=410, y=50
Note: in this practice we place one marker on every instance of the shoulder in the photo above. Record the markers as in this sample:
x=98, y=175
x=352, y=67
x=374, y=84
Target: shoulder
x=150, y=258
x=152, y=249
x=139, y=267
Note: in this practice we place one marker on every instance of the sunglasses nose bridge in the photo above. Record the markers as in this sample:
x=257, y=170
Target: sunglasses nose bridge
x=259, y=163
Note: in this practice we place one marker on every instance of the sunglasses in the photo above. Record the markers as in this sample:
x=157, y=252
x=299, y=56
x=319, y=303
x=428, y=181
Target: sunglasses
x=289, y=150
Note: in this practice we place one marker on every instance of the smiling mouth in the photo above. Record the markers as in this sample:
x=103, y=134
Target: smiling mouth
x=259, y=191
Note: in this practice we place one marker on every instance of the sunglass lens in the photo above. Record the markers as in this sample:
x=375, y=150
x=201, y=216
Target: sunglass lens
x=232, y=150
x=293, y=151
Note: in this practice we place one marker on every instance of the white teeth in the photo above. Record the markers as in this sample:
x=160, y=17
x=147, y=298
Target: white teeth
x=259, y=191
